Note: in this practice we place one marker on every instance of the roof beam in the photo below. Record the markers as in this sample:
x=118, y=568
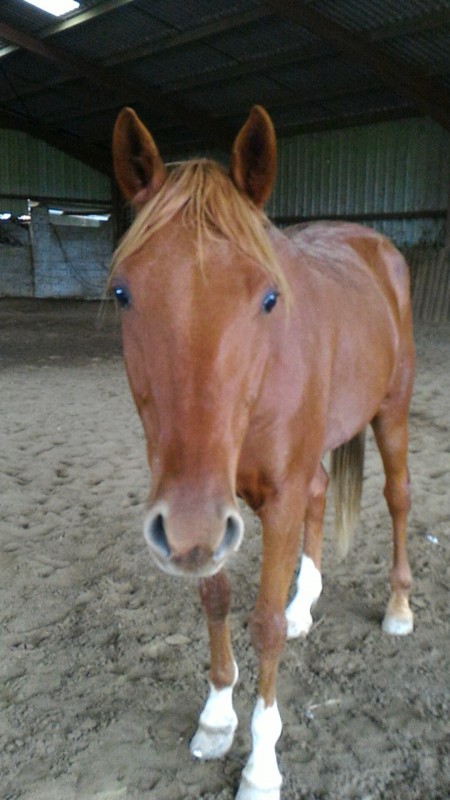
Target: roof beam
x=405, y=79
x=171, y=41
x=423, y=22
x=71, y=22
x=110, y=81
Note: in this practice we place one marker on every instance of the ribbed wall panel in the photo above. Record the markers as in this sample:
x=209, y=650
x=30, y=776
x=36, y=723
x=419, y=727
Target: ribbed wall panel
x=392, y=167
x=430, y=283
x=31, y=168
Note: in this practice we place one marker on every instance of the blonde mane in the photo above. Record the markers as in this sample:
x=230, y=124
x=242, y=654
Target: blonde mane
x=209, y=202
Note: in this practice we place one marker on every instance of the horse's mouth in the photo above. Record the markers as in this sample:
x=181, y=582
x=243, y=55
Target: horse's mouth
x=186, y=569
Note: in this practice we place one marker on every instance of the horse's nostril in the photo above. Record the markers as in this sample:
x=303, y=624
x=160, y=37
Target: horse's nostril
x=156, y=535
x=233, y=531
x=234, y=528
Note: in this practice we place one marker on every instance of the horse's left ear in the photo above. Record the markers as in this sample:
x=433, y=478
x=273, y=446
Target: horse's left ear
x=138, y=167
x=254, y=156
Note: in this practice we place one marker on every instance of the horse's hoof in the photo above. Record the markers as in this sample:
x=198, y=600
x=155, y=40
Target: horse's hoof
x=399, y=619
x=209, y=743
x=398, y=626
x=248, y=791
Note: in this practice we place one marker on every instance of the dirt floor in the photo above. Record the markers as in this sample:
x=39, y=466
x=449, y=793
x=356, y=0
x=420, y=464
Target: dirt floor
x=103, y=660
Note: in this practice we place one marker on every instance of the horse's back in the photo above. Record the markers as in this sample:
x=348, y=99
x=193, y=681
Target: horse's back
x=344, y=248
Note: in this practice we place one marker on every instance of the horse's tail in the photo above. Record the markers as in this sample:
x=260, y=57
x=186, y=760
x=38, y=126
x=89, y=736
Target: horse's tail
x=346, y=473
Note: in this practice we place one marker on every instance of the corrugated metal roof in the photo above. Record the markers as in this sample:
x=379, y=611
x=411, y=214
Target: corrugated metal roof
x=365, y=15
x=268, y=35
x=329, y=63
x=131, y=28
x=313, y=77
x=429, y=49
x=190, y=13
x=187, y=60
x=238, y=93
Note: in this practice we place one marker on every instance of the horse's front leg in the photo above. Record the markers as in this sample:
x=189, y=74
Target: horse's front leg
x=309, y=580
x=218, y=720
x=261, y=778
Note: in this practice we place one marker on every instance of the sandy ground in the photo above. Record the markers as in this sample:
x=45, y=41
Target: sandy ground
x=103, y=660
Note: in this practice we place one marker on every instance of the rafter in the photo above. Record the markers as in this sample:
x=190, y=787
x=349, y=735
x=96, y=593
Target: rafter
x=110, y=81
x=293, y=55
x=406, y=80
x=260, y=64
x=171, y=41
x=77, y=19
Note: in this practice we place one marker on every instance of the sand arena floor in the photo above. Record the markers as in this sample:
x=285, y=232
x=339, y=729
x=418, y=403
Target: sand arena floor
x=103, y=661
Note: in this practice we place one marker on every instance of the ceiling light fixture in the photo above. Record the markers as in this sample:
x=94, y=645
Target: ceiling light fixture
x=56, y=7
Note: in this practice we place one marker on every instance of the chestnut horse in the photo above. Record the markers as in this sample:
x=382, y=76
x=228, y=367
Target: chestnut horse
x=251, y=353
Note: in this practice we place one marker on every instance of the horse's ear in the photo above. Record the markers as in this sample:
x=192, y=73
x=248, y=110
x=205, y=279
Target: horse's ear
x=138, y=167
x=254, y=156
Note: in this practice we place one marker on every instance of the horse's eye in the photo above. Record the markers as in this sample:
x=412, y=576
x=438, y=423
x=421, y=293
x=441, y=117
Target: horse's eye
x=122, y=296
x=270, y=300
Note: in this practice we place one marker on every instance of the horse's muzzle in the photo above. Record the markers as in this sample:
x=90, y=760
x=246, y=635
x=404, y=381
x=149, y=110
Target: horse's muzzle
x=185, y=555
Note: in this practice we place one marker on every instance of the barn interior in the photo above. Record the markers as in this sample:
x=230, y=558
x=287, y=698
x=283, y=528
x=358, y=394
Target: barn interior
x=103, y=659
x=359, y=93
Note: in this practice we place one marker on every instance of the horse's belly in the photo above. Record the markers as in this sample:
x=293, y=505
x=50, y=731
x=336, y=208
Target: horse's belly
x=354, y=402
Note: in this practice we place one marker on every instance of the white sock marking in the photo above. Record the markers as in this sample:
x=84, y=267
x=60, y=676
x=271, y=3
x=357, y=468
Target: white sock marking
x=217, y=723
x=261, y=773
x=218, y=711
x=309, y=588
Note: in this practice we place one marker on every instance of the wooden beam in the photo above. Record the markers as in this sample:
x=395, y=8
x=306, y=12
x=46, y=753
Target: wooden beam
x=406, y=80
x=292, y=55
x=256, y=65
x=77, y=19
x=110, y=81
x=169, y=42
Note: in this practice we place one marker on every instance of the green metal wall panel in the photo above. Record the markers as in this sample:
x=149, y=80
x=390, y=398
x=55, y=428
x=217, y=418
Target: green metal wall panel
x=31, y=168
x=386, y=168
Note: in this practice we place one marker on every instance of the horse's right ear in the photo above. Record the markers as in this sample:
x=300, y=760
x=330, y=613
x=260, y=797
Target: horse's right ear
x=138, y=167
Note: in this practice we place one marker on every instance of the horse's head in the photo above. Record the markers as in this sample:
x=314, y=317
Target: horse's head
x=196, y=278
